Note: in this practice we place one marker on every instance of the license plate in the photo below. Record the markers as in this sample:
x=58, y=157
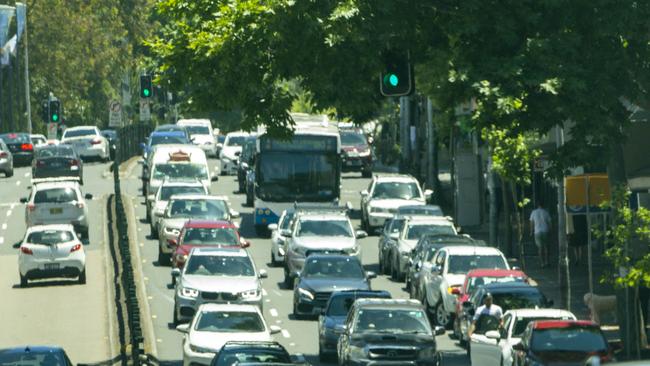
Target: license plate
x=56, y=211
x=353, y=163
x=51, y=266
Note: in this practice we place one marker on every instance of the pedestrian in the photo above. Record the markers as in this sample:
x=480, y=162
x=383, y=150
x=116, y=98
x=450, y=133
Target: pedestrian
x=487, y=309
x=578, y=237
x=540, y=226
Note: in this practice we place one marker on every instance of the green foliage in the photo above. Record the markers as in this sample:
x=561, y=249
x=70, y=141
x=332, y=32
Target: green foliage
x=511, y=153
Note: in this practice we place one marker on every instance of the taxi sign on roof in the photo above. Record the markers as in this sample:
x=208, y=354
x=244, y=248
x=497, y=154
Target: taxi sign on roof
x=179, y=156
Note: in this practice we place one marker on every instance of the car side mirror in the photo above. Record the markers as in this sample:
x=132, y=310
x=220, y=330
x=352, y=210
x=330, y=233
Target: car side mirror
x=151, y=197
x=246, y=244
x=272, y=227
x=88, y=196
x=263, y=274
x=176, y=272
x=455, y=290
x=428, y=193
x=274, y=329
x=519, y=347
x=371, y=274
x=23, y=200
x=394, y=236
x=244, y=165
x=183, y=328
x=459, y=229
x=439, y=330
x=285, y=232
x=364, y=193
x=361, y=234
x=234, y=214
x=436, y=270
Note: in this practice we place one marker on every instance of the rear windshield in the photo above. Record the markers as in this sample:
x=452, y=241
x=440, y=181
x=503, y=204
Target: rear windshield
x=45, y=358
x=79, y=133
x=340, y=305
x=166, y=192
x=55, y=195
x=214, y=209
x=50, y=237
x=522, y=323
x=571, y=339
x=461, y=264
x=207, y=236
x=415, y=232
x=235, y=140
x=58, y=151
x=229, y=322
x=166, y=140
x=198, y=130
x=12, y=138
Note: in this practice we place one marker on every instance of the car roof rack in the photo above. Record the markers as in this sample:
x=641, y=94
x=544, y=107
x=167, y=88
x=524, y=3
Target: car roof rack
x=312, y=208
x=55, y=180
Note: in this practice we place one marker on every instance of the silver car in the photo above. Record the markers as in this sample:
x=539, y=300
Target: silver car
x=216, y=275
x=6, y=160
x=156, y=203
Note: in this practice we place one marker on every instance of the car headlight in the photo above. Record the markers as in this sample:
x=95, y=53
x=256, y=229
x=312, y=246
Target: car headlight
x=353, y=251
x=428, y=352
x=305, y=293
x=198, y=349
x=378, y=210
x=363, y=154
x=357, y=352
x=189, y=292
x=250, y=294
x=171, y=231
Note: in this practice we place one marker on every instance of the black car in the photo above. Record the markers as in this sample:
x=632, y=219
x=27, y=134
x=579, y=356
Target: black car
x=356, y=154
x=245, y=162
x=57, y=161
x=323, y=274
x=388, y=332
x=21, y=147
x=330, y=322
x=37, y=355
x=111, y=136
x=238, y=353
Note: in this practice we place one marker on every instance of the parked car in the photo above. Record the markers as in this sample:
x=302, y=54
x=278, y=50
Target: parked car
x=49, y=251
x=52, y=161
x=216, y=324
x=21, y=147
x=87, y=141
x=450, y=265
x=6, y=160
x=494, y=347
x=111, y=136
x=231, y=150
x=332, y=318
x=561, y=342
x=383, y=331
x=35, y=356
x=385, y=194
x=246, y=352
x=356, y=152
x=474, y=279
x=279, y=241
x=216, y=275
x=324, y=274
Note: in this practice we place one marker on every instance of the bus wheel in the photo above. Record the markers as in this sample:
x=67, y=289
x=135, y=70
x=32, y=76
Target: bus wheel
x=261, y=231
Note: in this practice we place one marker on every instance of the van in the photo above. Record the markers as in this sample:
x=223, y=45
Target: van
x=177, y=162
x=201, y=134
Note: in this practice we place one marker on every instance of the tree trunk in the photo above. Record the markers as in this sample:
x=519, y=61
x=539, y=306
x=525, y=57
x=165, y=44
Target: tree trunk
x=507, y=218
x=519, y=224
x=493, y=217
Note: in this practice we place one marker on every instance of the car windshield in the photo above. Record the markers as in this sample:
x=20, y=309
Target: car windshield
x=34, y=357
x=166, y=140
x=55, y=151
x=79, y=133
x=416, y=231
x=211, y=265
x=203, y=236
x=180, y=171
x=198, y=130
x=571, y=339
x=235, y=140
x=239, y=356
x=171, y=128
x=38, y=140
x=351, y=138
x=419, y=210
x=529, y=299
x=109, y=134
x=340, y=267
x=214, y=209
x=325, y=228
x=286, y=221
x=55, y=195
x=396, y=190
x=168, y=191
x=340, y=305
x=461, y=264
x=229, y=322
x=393, y=321
x=49, y=237
x=474, y=282
x=13, y=138
x=522, y=323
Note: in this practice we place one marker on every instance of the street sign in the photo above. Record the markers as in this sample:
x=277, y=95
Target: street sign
x=52, y=129
x=115, y=114
x=145, y=111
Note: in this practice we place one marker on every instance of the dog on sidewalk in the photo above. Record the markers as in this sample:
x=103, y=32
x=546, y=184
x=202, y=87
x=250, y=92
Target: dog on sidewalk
x=600, y=305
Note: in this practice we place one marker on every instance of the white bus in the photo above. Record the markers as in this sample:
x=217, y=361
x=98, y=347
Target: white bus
x=306, y=169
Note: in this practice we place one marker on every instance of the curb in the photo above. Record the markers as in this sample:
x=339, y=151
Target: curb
x=126, y=168
x=114, y=345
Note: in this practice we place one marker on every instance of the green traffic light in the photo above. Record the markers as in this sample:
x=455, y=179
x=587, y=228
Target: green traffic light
x=55, y=117
x=391, y=80
x=146, y=92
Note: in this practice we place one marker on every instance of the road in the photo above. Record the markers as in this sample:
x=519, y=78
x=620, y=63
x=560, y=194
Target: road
x=57, y=312
x=299, y=336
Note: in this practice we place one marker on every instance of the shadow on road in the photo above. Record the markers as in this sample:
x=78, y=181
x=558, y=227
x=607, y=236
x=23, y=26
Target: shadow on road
x=49, y=283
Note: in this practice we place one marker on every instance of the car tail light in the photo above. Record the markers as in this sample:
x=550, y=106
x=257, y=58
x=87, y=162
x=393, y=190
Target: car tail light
x=26, y=250
x=75, y=248
x=96, y=141
x=3, y=154
x=453, y=290
x=31, y=207
x=80, y=205
x=27, y=147
x=172, y=242
x=73, y=162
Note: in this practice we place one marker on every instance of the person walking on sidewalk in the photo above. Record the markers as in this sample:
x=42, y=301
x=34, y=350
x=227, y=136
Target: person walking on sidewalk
x=540, y=226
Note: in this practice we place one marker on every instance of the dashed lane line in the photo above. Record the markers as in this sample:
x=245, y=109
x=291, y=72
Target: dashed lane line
x=18, y=183
x=277, y=292
x=9, y=213
x=4, y=226
x=264, y=293
x=2, y=240
x=285, y=333
x=27, y=174
x=273, y=312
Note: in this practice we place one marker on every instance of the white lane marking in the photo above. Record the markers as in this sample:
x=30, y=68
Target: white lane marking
x=18, y=183
x=274, y=313
x=264, y=293
x=27, y=174
x=2, y=240
x=8, y=213
x=4, y=226
x=277, y=292
x=285, y=333
x=12, y=206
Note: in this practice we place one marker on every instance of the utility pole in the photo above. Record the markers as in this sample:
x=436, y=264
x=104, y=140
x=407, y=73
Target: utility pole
x=405, y=127
x=27, y=103
x=431, y=178
x=564, y=277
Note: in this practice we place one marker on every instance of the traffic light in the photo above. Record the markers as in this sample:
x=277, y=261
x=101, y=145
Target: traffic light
x=397, y=77
x=54, y=111
x=146, y=86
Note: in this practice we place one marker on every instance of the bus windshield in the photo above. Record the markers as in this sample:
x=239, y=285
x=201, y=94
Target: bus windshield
x=287, y=176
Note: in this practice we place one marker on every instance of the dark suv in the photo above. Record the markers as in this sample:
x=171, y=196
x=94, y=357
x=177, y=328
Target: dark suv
x=356, y=152
x=245, y=162
x=388, y=332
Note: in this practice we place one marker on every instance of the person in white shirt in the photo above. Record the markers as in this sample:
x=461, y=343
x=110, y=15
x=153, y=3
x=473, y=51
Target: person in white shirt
x=540, y=226
x=488, y=308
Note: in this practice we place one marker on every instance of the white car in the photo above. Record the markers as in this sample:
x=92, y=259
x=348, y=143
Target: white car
x=230, y=152
x=157, y=203
x=494, y=348
x=57, y=201
x=87, y=141
x=38, y=140
x=385, y=194
x=49, y=251
x=216, y=275
x=215, y=324
x=450, y=266
x=175, y=161
x=278, y=241
x=201, y=134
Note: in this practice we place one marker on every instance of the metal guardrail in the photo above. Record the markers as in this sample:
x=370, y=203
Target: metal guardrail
x=129, y=139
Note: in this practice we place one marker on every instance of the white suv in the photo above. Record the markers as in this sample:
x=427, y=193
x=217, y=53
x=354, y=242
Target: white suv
x=385, y=194
x=157, y=203
x=57, y=201
x=230, y=152
x=87, y=142
x=201, y=134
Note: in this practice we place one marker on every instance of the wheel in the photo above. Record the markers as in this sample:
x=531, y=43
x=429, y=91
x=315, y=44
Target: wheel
x=441, y=316
x=148, y=217
x=173, y=281
x=9, y=173
x=366, y=173
x=84, y=233
x=322, y=356
x=274, y=262
x=261, y=231
x=175, y=317
x=381, y=264
x=23, y=281
x=395, y=275
x=288, y=280
x=82, y=277
x=295, y=312
x=154, y=232
x=249, y=200
x=163, y=259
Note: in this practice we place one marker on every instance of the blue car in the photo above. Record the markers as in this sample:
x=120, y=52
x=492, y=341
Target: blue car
x=37, y=355
x=163, y=138
x=330, y=322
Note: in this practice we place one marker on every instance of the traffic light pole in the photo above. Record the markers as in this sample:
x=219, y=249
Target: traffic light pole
x=27, y=103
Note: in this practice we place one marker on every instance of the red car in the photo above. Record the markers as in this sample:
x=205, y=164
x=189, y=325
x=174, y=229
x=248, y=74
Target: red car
x=203, y=233
x=473, y=280
x=561, y=342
